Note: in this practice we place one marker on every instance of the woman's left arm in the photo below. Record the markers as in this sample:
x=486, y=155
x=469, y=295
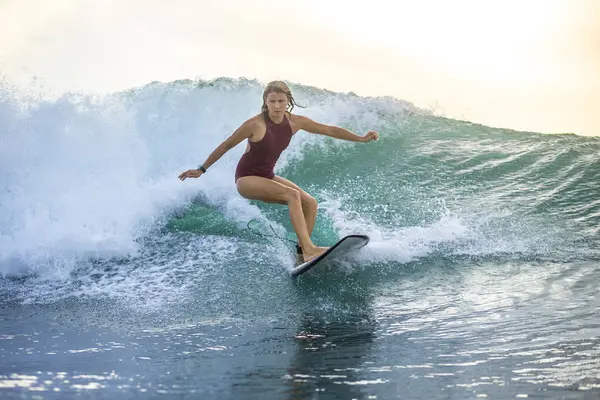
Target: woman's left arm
x=311, y=126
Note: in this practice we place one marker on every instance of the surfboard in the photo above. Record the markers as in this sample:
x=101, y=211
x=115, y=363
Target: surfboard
x=345, y=245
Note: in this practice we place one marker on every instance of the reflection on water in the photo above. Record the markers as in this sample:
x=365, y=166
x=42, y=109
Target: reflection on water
x=329, y=357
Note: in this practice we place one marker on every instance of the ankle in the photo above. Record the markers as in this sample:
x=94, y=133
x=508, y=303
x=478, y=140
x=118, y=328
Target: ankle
x=306, y=249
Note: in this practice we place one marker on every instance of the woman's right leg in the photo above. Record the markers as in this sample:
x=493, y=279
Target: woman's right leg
x=269, y=191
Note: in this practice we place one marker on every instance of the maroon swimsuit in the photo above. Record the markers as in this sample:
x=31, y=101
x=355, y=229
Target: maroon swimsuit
x=261, y=158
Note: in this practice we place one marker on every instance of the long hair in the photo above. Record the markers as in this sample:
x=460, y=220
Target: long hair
x=279, y=87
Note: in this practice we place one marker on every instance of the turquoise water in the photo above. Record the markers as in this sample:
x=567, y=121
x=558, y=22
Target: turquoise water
x=118, y=280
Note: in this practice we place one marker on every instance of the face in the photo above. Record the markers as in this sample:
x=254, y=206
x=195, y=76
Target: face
x=276, y=103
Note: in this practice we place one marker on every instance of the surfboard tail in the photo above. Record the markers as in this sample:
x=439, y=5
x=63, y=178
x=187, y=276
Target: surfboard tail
x=344, y=246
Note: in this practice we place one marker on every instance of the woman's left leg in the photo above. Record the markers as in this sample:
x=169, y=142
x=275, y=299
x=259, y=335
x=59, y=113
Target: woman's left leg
x=309, y=204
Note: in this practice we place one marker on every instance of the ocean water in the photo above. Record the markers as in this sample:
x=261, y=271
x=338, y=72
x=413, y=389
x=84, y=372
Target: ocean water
x=117, y=280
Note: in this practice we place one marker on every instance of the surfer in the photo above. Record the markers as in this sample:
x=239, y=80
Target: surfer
x=268, y=134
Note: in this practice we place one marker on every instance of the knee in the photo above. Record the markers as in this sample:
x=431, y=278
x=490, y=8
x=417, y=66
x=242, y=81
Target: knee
x=309, y=202
x=292, y=196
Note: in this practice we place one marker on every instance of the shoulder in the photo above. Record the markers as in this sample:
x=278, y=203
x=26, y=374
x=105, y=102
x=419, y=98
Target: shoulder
x=249, y=127
x=307, y=124
x=302, y=121
x=257, y=119
x=254, y=126
x=297, y=119
x=253, y=123
x=293, y=117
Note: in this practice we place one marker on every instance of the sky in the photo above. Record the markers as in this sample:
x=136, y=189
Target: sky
x=522, y=64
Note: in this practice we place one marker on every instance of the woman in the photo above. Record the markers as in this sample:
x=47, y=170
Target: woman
x=268, y=134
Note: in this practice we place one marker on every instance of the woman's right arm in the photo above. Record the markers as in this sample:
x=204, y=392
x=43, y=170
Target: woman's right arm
x=243, y=132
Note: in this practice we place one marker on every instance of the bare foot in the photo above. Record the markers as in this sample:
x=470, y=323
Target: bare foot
x=317, y=251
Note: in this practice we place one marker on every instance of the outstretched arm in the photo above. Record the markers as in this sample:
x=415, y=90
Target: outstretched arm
x=334, y=131
x=241, y=133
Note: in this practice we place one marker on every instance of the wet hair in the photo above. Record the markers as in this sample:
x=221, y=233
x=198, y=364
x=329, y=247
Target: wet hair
x=279, y=87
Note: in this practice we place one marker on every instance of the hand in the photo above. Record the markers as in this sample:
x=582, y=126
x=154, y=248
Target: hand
x=371, y=135
x=190, y=173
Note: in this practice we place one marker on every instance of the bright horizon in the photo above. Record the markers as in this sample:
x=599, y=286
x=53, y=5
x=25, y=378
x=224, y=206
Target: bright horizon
x=526, y=65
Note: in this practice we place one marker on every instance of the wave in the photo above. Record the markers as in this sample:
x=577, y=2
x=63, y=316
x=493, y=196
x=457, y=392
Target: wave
x=88, y=177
